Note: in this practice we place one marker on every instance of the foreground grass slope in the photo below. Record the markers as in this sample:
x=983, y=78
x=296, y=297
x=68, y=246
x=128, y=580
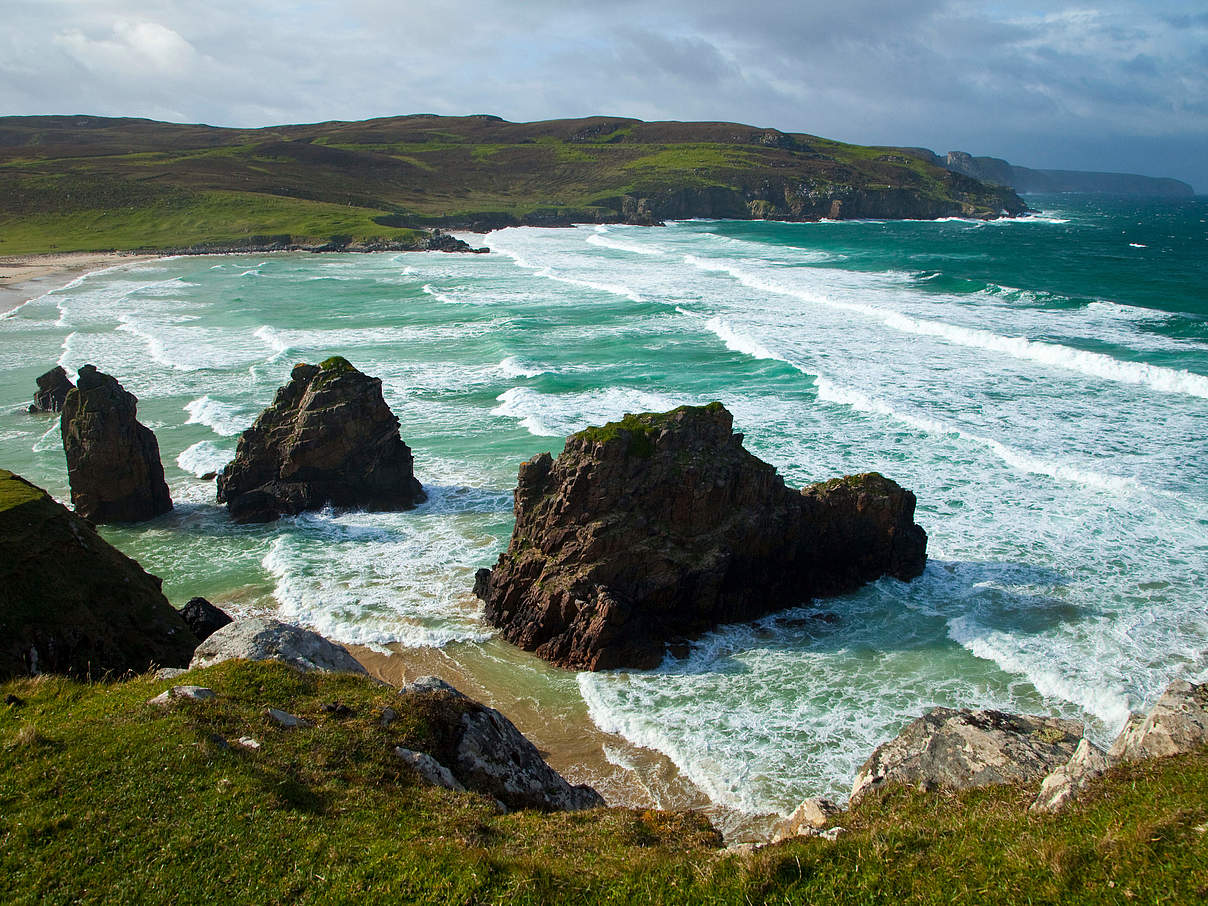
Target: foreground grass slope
x=88, y=183
x=104, y=798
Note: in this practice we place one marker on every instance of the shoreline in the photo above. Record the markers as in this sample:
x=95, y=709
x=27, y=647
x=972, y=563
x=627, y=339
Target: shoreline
x=26, y=277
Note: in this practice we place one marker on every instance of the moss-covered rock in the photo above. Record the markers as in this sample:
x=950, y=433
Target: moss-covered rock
x=70, y=602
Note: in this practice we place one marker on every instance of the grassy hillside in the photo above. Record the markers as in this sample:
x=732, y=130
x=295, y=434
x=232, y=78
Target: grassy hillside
x=105, y=799
x=87, y=183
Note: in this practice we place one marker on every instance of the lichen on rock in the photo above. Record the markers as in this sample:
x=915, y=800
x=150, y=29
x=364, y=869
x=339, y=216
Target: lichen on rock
x=328, y=439
x=662, y=526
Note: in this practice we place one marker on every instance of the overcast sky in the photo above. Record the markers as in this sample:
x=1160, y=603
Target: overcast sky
x=1099, y=86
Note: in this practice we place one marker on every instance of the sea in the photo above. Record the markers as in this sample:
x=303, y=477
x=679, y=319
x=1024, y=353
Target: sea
x=1040, y=383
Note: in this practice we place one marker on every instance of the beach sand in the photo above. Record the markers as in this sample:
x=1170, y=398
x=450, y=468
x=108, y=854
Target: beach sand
x=25, y=277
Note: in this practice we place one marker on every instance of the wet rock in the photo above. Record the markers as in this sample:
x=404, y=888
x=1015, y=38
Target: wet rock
x=961, y=749
x=487, y=754
x=204, y=618
x=53, y=387
x=429, y=769
x=72, y=603
x=113, y=460
x=285, y=720
x=1068, y=781
x=663, y=526
x=328, y=439
x=1176, y=724
x=263, y=639
x=806, y=820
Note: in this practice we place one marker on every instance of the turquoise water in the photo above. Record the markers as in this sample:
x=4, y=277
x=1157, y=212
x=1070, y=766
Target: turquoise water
x=1041, y=384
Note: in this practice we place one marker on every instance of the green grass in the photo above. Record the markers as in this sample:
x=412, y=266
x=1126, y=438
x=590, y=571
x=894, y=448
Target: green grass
x=14, y=491
x=104, y=799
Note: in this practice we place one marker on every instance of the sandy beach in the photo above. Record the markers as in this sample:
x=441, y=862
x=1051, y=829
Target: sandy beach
x=25, y=277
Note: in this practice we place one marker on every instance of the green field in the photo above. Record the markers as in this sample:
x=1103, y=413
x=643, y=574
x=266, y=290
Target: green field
x=87, y=183
x=106, y=799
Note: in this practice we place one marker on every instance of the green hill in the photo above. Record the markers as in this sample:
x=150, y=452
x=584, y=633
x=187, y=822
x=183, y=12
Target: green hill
x=78, y=183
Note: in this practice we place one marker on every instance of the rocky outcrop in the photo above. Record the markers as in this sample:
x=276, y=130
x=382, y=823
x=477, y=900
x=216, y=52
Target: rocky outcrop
x=70, y=602
x=112, y=459
x=264, y=639
x=53, y=387
x=204, y=618
x=662, y=526
x=481, y=750
x=957, y=750
x=1068, y=781
x=328, y=439
x=807, y=820
x=1176, y=724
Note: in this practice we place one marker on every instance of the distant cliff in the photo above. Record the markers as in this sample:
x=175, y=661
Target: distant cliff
x=1025, y=180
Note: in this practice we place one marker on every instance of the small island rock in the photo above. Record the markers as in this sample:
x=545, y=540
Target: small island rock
x=72, y=603
x=328, y=439
x=113, y=460
x=662, y=526
x=53, y=387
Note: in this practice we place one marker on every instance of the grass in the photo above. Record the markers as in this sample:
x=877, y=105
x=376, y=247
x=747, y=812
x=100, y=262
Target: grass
x=105, y=799
x=87, y=184
x=15, y=491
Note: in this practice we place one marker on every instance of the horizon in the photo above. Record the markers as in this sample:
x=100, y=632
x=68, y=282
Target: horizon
x=1120, y=87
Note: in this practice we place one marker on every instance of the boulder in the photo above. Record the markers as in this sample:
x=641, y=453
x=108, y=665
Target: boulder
x=113, y=460
x=264, y=639
x=1176, y=724
x=204, y=618
x=72, y=603
x=285, y=720
x=192, y=693
x=663, y=526
x=328, y=439
x=807, y=820
x=961, y=749
x=52, y=391
x=485, y=752
x=1068, y=781
x=429, y=769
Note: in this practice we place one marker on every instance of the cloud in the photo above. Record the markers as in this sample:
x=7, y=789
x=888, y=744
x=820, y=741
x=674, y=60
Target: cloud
x=1022, y=80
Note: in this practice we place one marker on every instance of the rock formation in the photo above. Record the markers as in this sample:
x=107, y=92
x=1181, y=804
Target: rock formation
x=1068, y=781
x=482, y=750
x=112, y=460
x=1177, y=723
x=663, y=526
x=53, y=387
x=204, y=618
x=264, y=639
x=70, y=602
x=960, y=749
x=328, y=439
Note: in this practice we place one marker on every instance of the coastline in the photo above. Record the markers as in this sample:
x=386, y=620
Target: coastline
x=25, y=277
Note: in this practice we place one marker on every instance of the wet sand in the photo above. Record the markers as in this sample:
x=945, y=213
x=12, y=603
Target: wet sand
x=25, y=277
x=546, y=706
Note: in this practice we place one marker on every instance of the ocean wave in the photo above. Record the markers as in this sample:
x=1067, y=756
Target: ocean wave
x=513, y=367
x=224, y=419
x=620, y=245
x=740, y=342
x=558, y=415
x=204, y=457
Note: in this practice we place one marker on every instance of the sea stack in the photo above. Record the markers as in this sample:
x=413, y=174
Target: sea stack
x=662, y=526
x=70, y=602
x=53, y=387
x=328, y=439
x=113, y=460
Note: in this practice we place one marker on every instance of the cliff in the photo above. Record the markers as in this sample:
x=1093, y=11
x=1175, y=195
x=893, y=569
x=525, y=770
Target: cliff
x=1026, y=180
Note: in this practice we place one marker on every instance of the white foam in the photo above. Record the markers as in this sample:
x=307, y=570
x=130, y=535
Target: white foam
x=441, y=297
x=225, y=419
x=557, y=415
x=739, y=342
x=203, y=458
x=1093, y=364
x=620, y=245
x=513, y=367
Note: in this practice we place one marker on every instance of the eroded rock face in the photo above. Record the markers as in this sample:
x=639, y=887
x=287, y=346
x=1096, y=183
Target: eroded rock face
x=112, y=459
x=957, y=750
x=263, y=639
x=53, y=387
x=70, y=602
x=1067, y=782
x=1176, y=724
x=328, y=439
x=662, y=526
x=485, y=753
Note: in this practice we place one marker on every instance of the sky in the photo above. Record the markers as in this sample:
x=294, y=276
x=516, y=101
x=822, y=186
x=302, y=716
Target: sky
x=1114, y=86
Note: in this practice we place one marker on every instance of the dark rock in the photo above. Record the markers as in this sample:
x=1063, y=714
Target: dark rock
x=112, y=460
x=328, y=439
x=13, y=700
x=337, y=709
x=204, y=618
x=485, y=752
x=961, y=749
x=53, y=387
x=70, y=602
x=662, y=526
